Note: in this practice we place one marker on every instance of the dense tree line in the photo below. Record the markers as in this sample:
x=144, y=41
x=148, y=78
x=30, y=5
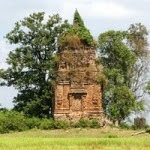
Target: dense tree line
x=32, y=63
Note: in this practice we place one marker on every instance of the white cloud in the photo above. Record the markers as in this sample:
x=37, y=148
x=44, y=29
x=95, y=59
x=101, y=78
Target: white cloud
x=96, y=9
x=109, y=10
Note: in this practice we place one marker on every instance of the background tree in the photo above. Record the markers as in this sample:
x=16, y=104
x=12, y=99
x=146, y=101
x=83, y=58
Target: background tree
x=138, y=43
x=118, y=99
x=31, y=63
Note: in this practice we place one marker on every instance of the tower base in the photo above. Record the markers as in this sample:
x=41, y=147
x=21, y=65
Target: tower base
x=76, y=116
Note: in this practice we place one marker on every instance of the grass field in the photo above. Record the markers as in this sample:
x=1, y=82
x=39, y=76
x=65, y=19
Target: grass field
x=75, y=139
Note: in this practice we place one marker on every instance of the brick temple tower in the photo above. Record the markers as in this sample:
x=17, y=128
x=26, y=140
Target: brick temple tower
x=77, y=93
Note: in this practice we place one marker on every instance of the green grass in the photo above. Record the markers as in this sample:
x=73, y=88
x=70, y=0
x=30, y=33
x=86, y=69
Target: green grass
x=74, y=139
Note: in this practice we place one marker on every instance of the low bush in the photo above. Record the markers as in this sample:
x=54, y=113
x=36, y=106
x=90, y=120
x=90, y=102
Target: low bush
x=85, y=123
x=140, y=123
x=46, y=124
x=33, y=123
x=112, y=136
x=61, y=124
x=124, y=126
x=82, y=123
x=14, y=121
x=94, y=123
x=148, y=130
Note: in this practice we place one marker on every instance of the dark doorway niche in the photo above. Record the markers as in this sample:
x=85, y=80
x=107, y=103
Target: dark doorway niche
x=78, y=96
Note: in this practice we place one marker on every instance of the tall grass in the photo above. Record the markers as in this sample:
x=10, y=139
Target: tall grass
x=23, y=143
x=75, y=139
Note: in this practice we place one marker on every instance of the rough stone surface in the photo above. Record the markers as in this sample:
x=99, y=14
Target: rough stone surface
x=77, y=94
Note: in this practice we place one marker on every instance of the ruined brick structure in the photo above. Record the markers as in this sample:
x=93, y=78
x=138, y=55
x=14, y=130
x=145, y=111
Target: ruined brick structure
x=77, y=94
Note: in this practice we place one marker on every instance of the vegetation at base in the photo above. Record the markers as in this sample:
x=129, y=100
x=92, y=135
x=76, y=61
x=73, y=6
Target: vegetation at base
x=86, y=123
x=14, y=121
x=135, y=126
x=140, y=122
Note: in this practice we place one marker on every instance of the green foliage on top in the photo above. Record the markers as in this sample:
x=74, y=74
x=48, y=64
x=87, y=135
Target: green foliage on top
x=76, y=34
x=77, y=20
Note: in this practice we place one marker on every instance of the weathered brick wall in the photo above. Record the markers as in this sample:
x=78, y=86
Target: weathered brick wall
x=77, y=96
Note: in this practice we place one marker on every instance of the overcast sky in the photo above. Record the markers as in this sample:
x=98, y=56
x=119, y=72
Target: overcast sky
x=99, y=16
